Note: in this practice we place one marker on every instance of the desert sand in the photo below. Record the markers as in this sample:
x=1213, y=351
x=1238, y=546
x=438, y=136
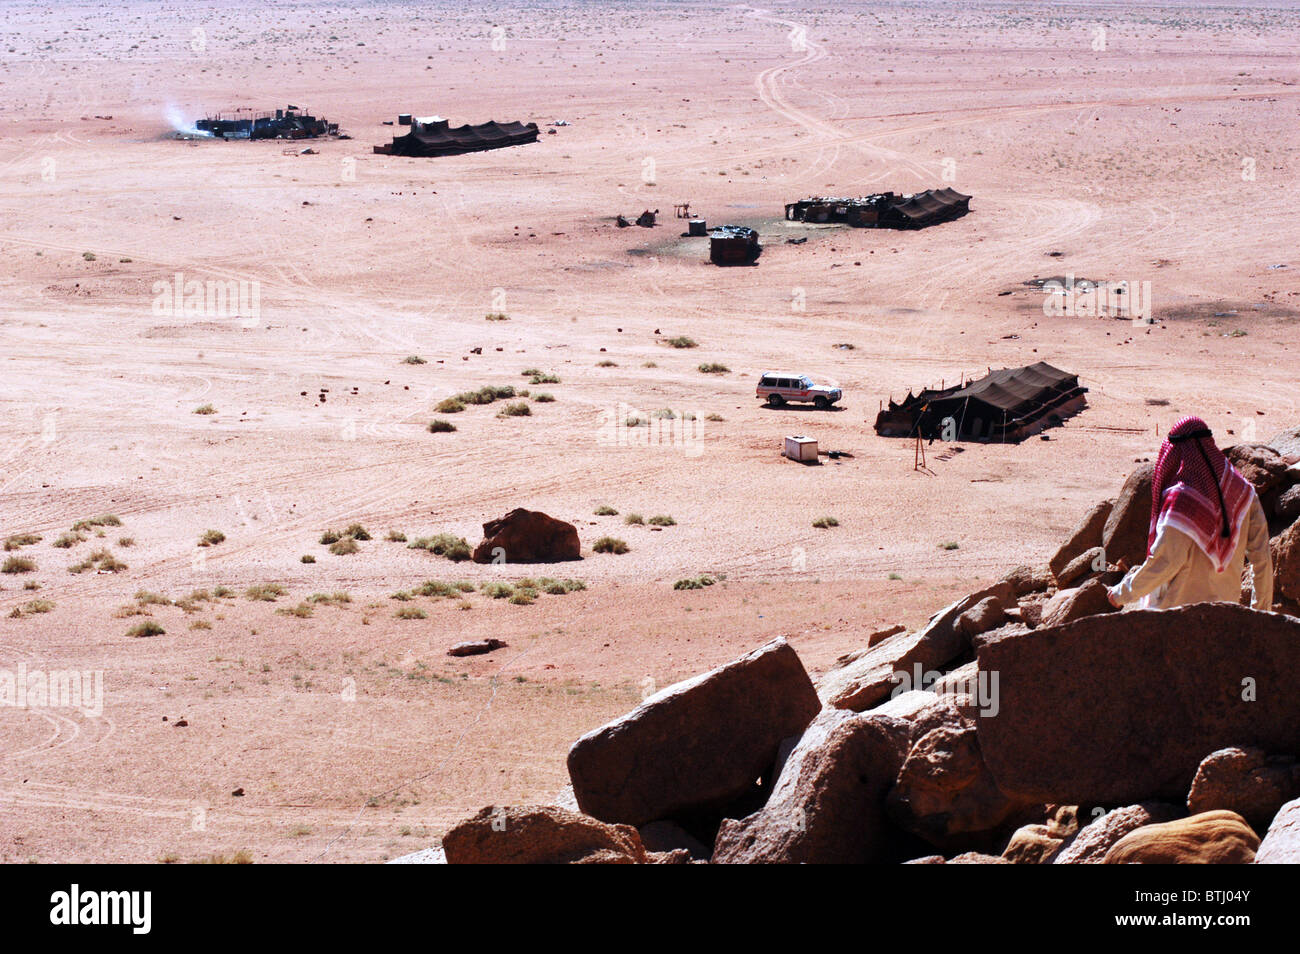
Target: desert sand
x=1104, y=140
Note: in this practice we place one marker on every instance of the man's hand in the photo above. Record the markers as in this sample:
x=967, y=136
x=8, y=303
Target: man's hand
x=1110, y=595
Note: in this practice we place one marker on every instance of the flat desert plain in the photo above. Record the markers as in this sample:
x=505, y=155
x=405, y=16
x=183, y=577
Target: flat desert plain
x=1110, y=141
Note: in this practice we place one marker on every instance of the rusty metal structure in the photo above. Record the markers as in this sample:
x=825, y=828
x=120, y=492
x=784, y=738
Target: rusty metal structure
x=287, y=123
x=733, y=245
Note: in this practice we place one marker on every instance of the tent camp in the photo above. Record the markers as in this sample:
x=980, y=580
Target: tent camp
x=883, y=210
x=433, y=136
x=1007, y=405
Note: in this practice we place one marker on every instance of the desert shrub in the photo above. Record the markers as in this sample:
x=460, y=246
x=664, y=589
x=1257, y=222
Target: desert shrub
x=694, y=583
x=714, y=417
x=606, y=511
x=413, y=359
x=635, y=420
x=609, y=545
x=16, y=564
x=32, y=607
x=662, y=520
x=498, y=591
x=307, y=558
x=439, y=426
x=146, y=627
x=411, y=612
x=523, y=597
x=103, y=520
x=825, y=523
x=68, y=540
x=682, y=341
x=949, y=545
x=543, y=397
x=496, y=316
x=437, y=588
x=450, y=405
x=445, y=545
x=205, y=409
x=149, y=598
x=126, y=541
x=634, y=519
x=330, y=536
x=515, y=409
x=337, y=598
x=211, y=538
x=21, y=540
x=264, y=592
x=713, y=367
x=357, y=532
x=301, y=611
x=395, y=536
x=344, y=547
x=544, y=378
x=607, y=364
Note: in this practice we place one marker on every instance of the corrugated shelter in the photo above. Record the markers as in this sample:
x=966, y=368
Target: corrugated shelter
x=436, y=137
x=733, y=245
x=1007, y=405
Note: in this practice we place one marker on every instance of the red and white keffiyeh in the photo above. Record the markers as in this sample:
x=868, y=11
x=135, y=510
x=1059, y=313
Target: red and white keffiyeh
x=1196, y=490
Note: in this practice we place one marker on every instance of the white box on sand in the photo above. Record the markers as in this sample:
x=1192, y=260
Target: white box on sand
x=803, y=449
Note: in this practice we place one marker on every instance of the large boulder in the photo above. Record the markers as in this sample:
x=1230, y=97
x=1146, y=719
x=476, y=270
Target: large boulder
x=1089, y=845
x=1028, y=579
x=1287, y=443
x=1088, y=562
x=1246, y=781
x=1287, y=508
x=1124, y=537
x=528, y=536
x=945, y=793
x=1066, y=606
x=1281, y=846
x=1212, y=838
x=540, y=834
x=827, y=805
x=1260, y=464
x=987, y=614
x=828, y=801
x=1086, y=536
x=1286, y=563
x=697, y=744
x=873, y=676
x=1122, y=707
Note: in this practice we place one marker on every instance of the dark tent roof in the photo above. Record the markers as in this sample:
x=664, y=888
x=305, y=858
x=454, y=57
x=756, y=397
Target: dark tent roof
x=1008, y=405
x=439, y=139
x=927, y=208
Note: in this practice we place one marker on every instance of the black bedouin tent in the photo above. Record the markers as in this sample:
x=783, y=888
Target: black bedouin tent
x=1007, y=405
x=437, y=138
x=883, y=210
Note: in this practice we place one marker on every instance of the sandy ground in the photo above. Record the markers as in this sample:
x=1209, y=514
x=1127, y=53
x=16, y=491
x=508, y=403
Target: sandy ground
x=1169, y=156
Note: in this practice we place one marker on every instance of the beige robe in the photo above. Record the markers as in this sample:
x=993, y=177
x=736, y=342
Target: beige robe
x=1178, y=572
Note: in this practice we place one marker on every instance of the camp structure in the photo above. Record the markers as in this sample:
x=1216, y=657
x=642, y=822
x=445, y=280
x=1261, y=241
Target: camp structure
x=433, y=136
x=1003, y=406
x=733, y=245
x=887, y=210
x=288, y=123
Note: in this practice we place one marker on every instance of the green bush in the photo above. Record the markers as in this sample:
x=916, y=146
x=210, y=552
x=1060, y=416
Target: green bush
x=609, y=545
x=146, y=627
x=823, y=523
x=439, y=426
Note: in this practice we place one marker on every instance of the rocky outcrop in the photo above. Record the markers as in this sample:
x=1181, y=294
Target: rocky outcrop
x=1286, y=563
x=1124, y=537
x=1066, y=606
x=1245, y=781
x=695, y=745
x=528, y=536
x=1281, y=846
x=945, y=791
x=1040, y=843
x=1088, y=846
x=1119, y=708
x=540, y=835
x=828, y=804
x=1027, y=579
x=1085, y=537
x=1260, y=464
x=1212, y=838
x=871, y=678
x=987, y=614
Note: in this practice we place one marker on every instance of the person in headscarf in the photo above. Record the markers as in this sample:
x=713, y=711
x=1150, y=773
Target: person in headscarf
x=1206, y=523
